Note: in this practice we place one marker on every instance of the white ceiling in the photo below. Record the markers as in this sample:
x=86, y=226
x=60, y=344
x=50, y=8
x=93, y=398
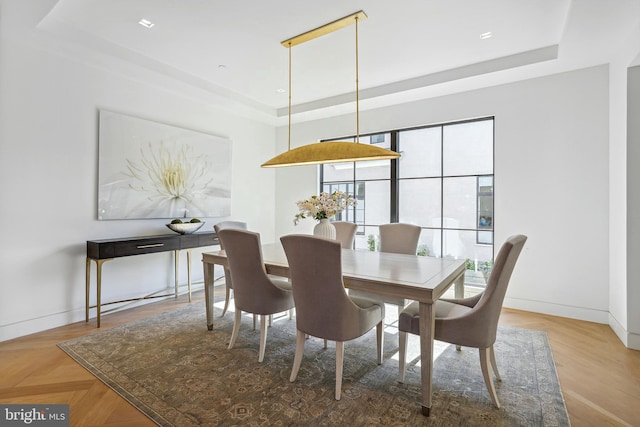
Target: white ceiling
x=415, y=47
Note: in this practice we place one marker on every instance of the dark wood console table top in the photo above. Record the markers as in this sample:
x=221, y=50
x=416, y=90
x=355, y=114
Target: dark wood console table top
x=104, y=250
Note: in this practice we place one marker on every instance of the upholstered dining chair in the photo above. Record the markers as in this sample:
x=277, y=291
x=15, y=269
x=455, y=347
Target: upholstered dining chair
x=227, y=275
x=470, y=322
x=254, y=291
x=345, y=233
x=323, y=308
x=398, y=238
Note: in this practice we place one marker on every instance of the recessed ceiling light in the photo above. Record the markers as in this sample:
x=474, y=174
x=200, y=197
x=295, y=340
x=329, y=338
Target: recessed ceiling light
x=146, y=23
x=281, y=90
x=486, y=35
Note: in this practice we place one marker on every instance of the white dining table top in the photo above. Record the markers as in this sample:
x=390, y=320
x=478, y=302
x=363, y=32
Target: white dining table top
x=419, y=278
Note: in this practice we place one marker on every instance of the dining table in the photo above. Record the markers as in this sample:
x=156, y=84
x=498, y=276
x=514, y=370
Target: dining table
x=419, y=278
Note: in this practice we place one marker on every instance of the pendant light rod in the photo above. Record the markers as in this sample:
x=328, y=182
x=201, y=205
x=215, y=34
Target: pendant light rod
x=357, y=87
x=289, y=137
x=324, y=30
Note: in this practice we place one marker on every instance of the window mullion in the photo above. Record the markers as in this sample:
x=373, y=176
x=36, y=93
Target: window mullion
x=394, y=206
x=442, y=191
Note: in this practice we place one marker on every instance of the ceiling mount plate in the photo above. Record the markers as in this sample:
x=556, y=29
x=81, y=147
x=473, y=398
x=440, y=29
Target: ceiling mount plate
x=325, y=29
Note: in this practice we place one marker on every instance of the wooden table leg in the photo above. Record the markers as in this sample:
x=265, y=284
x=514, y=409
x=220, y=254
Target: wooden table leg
x=459, y=286
x=427, y=330
x=208, y=293
x=459, y=293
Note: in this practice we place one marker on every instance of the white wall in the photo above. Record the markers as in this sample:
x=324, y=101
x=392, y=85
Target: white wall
x=48, y=169
x=551, y=172
x=633, y=198
x=618, y=196
x=621, y=224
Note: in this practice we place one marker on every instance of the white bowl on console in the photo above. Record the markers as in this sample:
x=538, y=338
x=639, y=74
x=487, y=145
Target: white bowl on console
x=186, y=227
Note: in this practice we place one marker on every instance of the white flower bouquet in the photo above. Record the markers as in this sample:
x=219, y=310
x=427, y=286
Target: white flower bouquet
x=324, y=206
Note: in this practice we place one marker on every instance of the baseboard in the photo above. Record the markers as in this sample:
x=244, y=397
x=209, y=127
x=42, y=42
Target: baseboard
x=629, y=339
x=39, y=324
x=571, y=312
x=32, y=326
x=633, y=341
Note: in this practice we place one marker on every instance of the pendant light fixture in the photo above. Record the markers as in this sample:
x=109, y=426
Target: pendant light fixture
x=333, y=151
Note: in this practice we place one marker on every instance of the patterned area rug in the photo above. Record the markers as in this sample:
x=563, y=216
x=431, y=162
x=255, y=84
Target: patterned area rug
x=180, y=374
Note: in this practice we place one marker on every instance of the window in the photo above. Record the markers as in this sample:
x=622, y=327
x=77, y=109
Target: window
x=443, y=182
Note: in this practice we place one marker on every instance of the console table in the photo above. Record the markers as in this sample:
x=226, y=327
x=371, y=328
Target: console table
x=101, y=251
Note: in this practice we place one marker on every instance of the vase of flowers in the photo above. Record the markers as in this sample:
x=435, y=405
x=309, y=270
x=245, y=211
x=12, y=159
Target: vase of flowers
x=322, y=208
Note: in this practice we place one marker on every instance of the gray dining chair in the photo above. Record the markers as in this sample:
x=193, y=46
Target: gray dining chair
x=253, y=290
x=398, y=238
x=470, y=322
x=345, y=233
x=323, y=308
x=224, y=225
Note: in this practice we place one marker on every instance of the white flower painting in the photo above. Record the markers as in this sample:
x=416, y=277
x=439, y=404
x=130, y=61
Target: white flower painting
x=153, y=170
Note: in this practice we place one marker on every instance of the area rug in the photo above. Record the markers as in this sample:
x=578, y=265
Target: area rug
x=178, y=373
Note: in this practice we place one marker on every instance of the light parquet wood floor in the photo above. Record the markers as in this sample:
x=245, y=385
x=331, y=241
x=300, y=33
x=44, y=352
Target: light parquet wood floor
x=600, y=378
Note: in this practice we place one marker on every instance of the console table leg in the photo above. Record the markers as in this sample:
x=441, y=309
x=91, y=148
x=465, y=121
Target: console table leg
x=99, y=263
x=189, y=272
x=176, y=256
x=87, y=289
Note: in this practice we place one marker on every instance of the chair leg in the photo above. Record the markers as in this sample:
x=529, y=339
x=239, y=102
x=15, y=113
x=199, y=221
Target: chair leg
x=297, y=359
x=226, y=300
x=339, y=363
x=263, y=337
x=254, y=322
x=290, y=313
x=402, y=354
x=270, y=320
x=325, y=343
x=380, y=338
x=494, y=365
x=485, y=355
x=236, y=327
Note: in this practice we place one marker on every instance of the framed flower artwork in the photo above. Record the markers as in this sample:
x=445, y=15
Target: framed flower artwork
x=148, y=169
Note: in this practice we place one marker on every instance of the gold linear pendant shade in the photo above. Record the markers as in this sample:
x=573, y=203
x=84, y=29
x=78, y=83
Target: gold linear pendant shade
x=330, y=152
x=333, y=151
